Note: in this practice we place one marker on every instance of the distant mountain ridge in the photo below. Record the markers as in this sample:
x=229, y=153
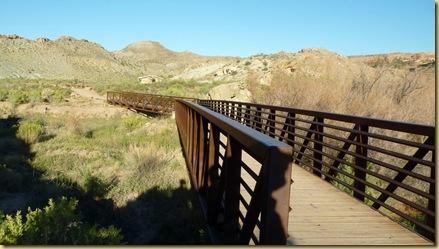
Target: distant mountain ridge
x=71, y=58
x=160, y=60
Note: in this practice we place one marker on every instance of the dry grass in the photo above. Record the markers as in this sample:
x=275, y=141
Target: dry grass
x=400, y=94
x=387, y=93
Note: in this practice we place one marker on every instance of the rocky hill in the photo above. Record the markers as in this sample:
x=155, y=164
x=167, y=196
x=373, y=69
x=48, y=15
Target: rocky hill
x=161, y=61
x=393, y=86
x=64, y=58
x=70, y=58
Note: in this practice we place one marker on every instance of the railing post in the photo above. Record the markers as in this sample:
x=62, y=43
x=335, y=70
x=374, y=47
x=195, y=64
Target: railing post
x=228, y=112
x=318, y=147
x=191, y=140
x=247, y=116
x=232, y=192
x=270, y=124
x=431, y=221
x=202, y=165
x=362, y=163
x=213, y=174
x=257, y=119
x=288, y=130
x=196, y=142
x=276, y=207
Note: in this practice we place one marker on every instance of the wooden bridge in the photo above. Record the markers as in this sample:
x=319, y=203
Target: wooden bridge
x=278, y=175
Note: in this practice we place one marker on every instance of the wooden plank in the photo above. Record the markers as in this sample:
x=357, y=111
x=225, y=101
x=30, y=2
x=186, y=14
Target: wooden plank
x=323, y=215
x=355, y=241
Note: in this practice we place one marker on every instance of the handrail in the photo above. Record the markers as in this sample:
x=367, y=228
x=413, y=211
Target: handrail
x=151, y=103
x=216, y=168
x=389, y=165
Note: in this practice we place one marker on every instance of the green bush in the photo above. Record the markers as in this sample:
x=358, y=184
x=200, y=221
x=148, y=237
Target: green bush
x=399, y=63
x=34, y=96
x=3, y=94
x=47, y=95
x=18, y=97
x=30, y=132
x=57, y=224
x=132, y=123
x=174, y=91
x=61, y=94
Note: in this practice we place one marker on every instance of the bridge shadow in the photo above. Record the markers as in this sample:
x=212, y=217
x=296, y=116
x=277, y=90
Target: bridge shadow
x=150, y=114
x=23, y=186
x=16, y=175
x=267, y=209
x=164, y=217
x=156, y=217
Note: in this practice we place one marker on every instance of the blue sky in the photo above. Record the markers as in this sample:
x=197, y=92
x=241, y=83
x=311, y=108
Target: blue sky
x=235, y=28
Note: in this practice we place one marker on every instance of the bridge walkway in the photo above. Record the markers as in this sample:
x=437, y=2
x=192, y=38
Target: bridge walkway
x=323, y=215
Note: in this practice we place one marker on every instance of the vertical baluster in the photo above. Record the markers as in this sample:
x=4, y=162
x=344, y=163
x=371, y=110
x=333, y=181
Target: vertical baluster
x=362, y=163
x=431, y=220
x=318, y=147
x=257, y=119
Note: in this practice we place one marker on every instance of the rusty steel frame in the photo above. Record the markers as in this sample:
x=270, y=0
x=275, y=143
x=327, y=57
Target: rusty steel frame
x=217, y=177
x=149, y=103
x=325, y=143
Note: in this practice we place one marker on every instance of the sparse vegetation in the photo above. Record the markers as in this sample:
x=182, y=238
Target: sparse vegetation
x=123, y=170
x=374, y=93
x=126, y=172
x=30, y=131
x=56, y=224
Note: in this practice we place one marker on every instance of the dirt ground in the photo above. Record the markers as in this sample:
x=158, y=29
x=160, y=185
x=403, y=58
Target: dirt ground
x=84, y=102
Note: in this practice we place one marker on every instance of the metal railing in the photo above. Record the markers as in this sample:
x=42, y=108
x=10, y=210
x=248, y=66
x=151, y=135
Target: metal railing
x=386, y=164
x=151, y=103
x=220, y=154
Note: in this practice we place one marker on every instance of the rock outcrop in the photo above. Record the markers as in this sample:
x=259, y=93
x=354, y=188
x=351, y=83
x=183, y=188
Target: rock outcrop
x=231, y=91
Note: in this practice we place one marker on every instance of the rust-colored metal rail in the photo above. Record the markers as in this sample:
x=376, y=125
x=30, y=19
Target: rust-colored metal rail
x=150, y=103
x=386, y=164
x=215, y=147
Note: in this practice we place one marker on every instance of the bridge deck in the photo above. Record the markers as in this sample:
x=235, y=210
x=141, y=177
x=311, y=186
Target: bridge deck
x=323, y=215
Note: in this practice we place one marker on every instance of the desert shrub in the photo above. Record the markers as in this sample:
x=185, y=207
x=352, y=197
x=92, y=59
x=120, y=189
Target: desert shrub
x=34, y=95
x=61, y=94
x=167, y=139
x=18, y=97
x=30, y=131
x=47, y=94
x=73, y=124
x=3, y=94
x=57, y=224
x=399, y=63
x=132, y=123
x=174, y=91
